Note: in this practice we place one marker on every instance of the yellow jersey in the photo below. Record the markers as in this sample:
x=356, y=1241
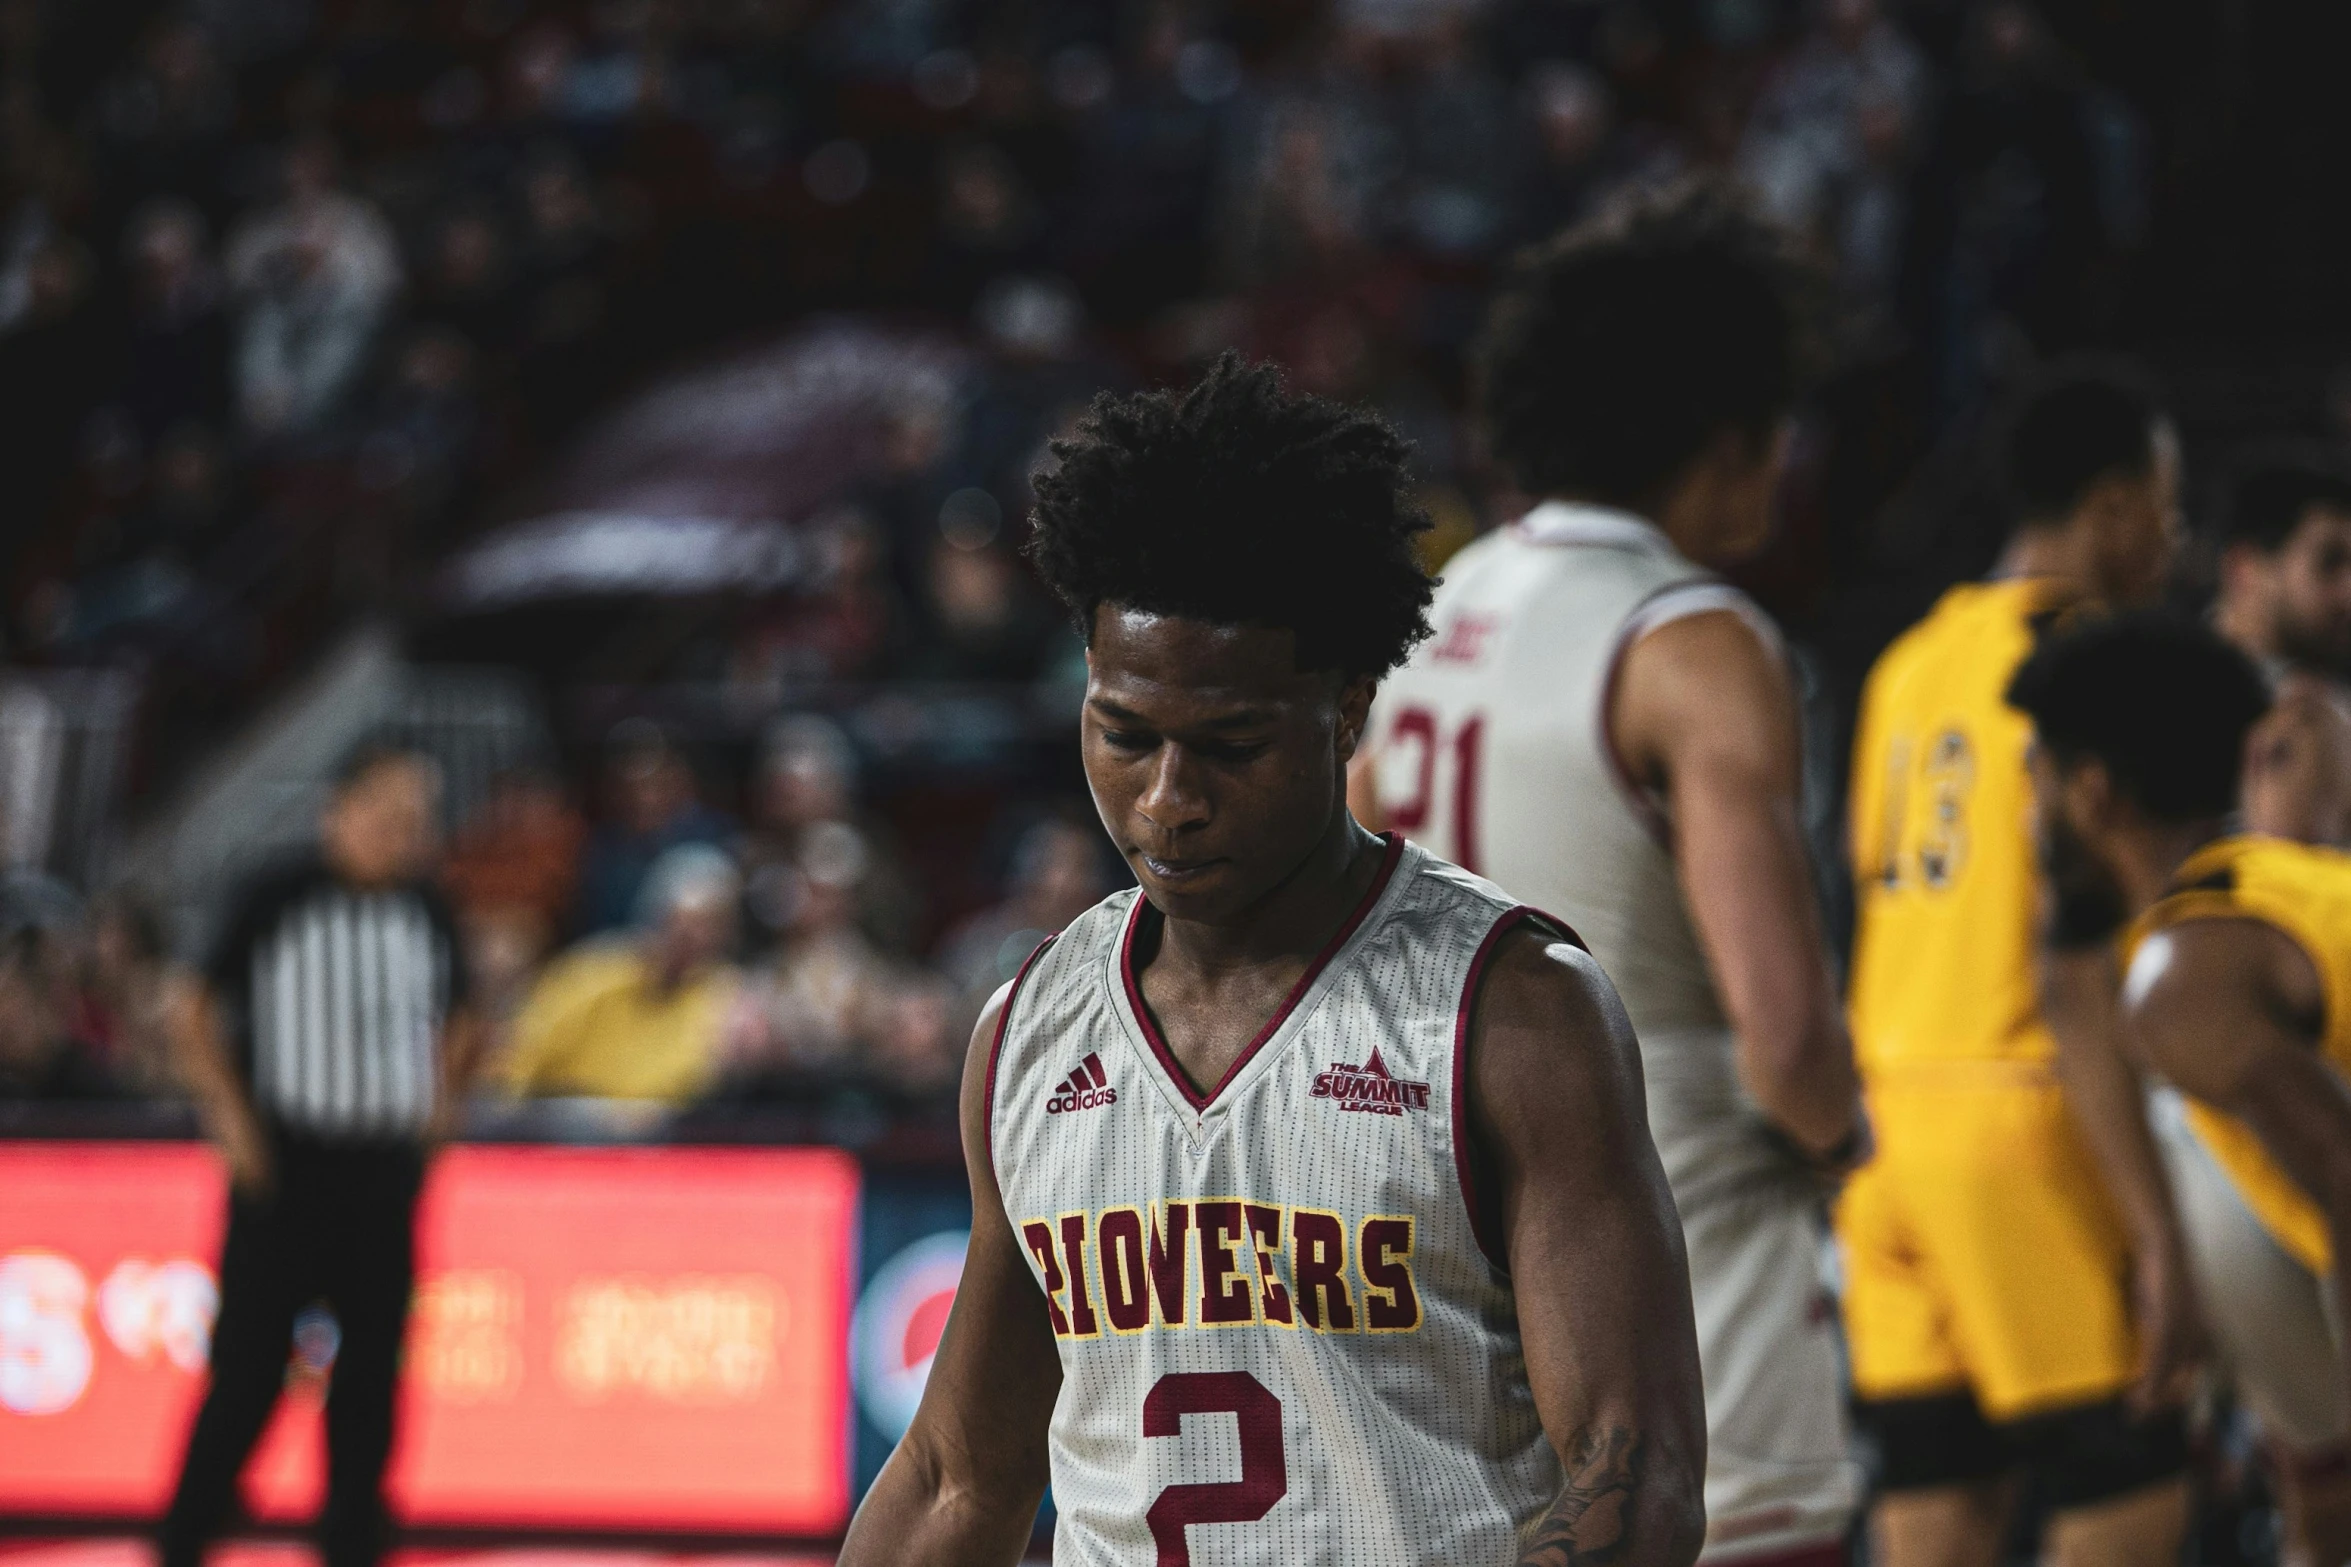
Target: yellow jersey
x=1946, y=873
x=2305, y=892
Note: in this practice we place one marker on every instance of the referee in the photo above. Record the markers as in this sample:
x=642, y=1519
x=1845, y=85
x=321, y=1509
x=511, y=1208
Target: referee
x=325, y=1043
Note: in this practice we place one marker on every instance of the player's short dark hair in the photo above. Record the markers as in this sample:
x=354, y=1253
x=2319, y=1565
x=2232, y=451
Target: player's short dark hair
x=1617, y=351
x=1239, y=502
x=2276, y=487
x=2162, y=702
x=2073, y=425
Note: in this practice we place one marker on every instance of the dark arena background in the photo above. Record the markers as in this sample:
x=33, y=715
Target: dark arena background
x=631, y=404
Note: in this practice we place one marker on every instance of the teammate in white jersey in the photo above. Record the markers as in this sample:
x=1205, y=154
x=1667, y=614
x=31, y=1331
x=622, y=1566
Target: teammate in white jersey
x=1609, y=731
x=1315, y=1217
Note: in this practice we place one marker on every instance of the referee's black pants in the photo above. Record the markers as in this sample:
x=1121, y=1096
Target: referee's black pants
x=338, y=1226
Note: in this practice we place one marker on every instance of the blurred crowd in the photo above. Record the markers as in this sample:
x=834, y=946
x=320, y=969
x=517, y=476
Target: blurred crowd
x=668, y=956
x=771, y=958
x=292, y=292
x=288, y=286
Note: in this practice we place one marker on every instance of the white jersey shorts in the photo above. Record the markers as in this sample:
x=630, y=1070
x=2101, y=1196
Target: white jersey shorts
x=1781, y=1482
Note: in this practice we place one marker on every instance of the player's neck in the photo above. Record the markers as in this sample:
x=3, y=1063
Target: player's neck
x=1681, y=513
x=1294, y=920
x=2055, y=551
x=2155, y=854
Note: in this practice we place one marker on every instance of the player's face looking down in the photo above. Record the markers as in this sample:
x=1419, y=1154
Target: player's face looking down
x=1218, y=766
x=2072, y=808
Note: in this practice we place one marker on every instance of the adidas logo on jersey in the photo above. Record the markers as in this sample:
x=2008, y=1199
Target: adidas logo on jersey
x=1369, y=1087
x=1083, y=1089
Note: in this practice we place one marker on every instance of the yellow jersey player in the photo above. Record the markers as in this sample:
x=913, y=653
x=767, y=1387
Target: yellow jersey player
x=1992, y=1245
x=2239, y=994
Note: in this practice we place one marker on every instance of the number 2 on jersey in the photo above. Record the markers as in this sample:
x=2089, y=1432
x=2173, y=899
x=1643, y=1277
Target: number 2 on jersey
x=1418, y=726
x=1265, y=1477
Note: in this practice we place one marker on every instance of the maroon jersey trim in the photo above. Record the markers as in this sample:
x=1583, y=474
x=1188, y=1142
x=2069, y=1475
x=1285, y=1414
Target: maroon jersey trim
x=1642, y=804
x=996, y=1046
x=1827, y=1554
x=1150, y=1026
x=1496, y=1252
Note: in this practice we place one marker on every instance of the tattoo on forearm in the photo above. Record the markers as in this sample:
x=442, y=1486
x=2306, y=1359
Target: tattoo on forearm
x=1592, y=1522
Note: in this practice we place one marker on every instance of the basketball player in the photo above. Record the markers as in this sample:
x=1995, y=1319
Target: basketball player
x=1315, y=1218
x=2240, y=996
x=2285, y=563
x=1610, y=731
x=2016, y=1296
x=2285, y=600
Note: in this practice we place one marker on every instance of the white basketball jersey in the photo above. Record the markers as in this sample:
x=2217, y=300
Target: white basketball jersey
x=1281, y=1339
x=1493, y=750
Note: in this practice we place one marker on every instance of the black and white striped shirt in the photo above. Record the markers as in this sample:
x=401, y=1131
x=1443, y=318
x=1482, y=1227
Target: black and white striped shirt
x=338, y=994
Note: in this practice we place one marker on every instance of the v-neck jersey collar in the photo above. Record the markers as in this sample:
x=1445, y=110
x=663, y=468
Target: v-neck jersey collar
x=1129, y=986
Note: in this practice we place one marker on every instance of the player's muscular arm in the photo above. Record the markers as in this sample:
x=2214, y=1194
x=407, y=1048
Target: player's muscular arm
x=2228, y=1010
x=1703, y=712
x=2109, y=1103
x=964, y=1485
x=1561, y=1139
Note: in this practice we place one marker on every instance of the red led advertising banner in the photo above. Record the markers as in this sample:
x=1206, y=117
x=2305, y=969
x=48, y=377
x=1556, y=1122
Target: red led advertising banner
x=623, y=1338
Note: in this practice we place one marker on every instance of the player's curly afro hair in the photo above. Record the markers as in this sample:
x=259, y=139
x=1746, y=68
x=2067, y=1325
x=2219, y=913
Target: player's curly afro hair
x=1615, y=352
x=2162, y=701
x=1239, y=502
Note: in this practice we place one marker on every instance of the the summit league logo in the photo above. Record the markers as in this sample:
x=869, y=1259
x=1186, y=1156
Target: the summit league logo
x=1083, y=1089
x=1369, y=1087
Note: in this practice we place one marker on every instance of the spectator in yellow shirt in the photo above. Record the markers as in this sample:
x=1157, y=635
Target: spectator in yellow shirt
x=641, y=1016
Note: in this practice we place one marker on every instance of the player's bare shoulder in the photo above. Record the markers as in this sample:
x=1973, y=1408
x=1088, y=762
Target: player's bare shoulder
x=2191, y=986
x=1718, y=673
x=1547, y=1029
x=978, y=1056
x=1540, y=977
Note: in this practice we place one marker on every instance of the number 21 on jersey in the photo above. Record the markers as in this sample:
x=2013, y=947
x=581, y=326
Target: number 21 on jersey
x=1410, y=784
